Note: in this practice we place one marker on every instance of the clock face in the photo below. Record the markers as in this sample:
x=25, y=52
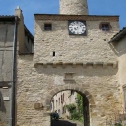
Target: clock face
x=77, y=27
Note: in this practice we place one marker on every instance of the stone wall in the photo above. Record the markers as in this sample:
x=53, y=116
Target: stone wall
x=74, y=7
x=89, y=59
x=39, y=84
x=69, y=48
x=120, y=51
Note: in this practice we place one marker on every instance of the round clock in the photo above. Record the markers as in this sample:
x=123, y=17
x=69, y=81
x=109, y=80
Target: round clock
x=77, y=27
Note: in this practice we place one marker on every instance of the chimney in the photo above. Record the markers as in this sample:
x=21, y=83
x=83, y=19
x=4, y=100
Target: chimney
x=18, y=12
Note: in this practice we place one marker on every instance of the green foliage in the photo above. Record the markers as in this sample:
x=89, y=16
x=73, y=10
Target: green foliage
x=76, y=111
x=71, y=107
x=80, y=103
x=118, y=124
x=77, y=116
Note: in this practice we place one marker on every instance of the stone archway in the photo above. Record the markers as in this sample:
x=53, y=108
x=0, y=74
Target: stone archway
x=89, y=104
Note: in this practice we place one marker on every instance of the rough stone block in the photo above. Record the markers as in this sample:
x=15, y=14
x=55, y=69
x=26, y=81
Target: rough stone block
x=38, y=105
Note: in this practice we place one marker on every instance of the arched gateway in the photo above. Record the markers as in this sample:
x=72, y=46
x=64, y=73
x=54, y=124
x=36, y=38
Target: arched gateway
x=79, y=88
x=88, y=102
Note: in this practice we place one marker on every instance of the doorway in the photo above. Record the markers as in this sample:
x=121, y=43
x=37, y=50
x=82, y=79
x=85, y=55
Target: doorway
x=72, y=107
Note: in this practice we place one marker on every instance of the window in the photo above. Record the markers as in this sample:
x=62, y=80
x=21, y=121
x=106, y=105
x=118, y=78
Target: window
x=54, y=53
x=64, y=109
x=59, y=101
x=47, y=27
x=72, y=92
x=56, y=103
x=51, y=106
x=105, y=26
x=62, y=98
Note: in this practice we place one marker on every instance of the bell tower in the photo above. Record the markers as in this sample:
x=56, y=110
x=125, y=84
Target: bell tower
x=74, y=7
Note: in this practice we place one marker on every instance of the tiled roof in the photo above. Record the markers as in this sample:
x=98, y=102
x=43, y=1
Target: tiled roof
x=7, y=18
x=119, y=35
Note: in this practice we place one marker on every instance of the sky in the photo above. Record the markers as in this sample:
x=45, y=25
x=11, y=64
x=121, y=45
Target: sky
x=31, y=7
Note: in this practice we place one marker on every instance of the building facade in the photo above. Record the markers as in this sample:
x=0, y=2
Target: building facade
x=71, y=52
x=6, y=51
x=10, y=30
x=118, y=42
x=60, y=100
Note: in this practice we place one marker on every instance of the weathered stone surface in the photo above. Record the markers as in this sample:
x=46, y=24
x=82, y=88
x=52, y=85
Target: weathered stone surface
x=3, y=124
x=103, y=97
x=71, y=47
x=76, y=7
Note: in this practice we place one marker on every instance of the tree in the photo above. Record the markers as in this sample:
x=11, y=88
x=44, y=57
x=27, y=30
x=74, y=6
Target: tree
x=76, y=111
x=80, y=103
x=71, y=107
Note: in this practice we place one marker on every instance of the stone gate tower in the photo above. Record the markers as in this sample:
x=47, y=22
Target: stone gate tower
x=71, y=52
x=74, y=7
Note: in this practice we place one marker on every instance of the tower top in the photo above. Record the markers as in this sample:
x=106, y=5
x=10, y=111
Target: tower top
x=74, y=7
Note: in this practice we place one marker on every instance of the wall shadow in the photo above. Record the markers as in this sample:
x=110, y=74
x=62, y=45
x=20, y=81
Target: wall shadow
x=89, y=72
x=2, y=105
x=62, y=123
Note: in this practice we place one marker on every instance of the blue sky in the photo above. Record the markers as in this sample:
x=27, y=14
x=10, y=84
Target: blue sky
x=30, y=7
